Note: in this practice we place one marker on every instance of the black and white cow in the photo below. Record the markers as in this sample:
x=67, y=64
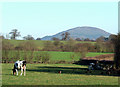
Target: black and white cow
x=19, y=65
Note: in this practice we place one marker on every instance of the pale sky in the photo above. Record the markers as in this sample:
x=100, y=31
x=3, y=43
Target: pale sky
x=48, y=18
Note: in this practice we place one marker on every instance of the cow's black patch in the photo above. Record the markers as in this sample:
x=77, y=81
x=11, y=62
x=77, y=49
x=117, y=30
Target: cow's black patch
x=24, y=63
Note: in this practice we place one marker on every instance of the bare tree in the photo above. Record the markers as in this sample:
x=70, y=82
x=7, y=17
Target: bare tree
x=14, y=33
x=65, y=36
x=81, y=50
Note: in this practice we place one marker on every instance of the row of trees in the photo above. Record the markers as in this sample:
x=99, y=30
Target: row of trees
x=68, y=46
x=72, y=46
x=65, y=36
x=24, y=51
x=29, y=56
x=14, y=34
x=27, y=49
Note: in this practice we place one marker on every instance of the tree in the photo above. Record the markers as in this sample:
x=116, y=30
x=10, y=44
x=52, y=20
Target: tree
x=56, y=43
x=14, y=33
x=38, y=38
x=55, y=39
x=27, y=46
x=2, y=37
x=112, y=38
x=87, y=39
x=99, y=45
x=101, y=38
x=117, y=51
x=78, y=39
x=81, y=50
x=6, y=49
x=65, y=36
x=6, y=45
x=48, y=46
x=109, y=46
x=45, y=57
x=70, y=44
x=28, y=37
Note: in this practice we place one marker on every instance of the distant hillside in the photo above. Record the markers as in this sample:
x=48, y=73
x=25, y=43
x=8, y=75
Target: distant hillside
x=81, y=32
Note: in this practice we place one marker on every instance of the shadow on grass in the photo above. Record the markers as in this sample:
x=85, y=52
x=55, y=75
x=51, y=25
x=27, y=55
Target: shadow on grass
x=66, y=70
x=8, y=74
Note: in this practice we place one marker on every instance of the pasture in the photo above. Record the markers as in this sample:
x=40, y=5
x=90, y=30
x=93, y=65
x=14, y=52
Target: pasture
x=66, y=56
x=48, y=74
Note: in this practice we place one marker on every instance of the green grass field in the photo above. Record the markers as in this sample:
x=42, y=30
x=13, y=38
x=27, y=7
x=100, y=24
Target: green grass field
x=47, y=74
x=67, y=55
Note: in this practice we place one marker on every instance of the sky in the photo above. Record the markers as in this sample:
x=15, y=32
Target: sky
x=40, y=19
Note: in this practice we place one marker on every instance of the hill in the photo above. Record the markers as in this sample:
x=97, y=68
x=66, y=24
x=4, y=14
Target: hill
x=81, y=32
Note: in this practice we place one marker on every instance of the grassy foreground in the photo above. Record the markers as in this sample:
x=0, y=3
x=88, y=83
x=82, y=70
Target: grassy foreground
x=47, y=74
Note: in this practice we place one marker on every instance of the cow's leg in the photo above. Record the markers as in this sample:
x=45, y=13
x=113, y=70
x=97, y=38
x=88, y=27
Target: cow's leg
x=24, y=70
x=21, y=71
x=16, y=71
